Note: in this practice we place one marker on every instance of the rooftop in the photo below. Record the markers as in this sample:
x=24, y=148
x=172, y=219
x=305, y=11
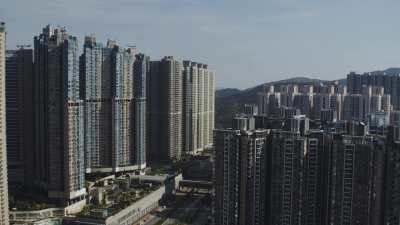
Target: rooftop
x=117, y=198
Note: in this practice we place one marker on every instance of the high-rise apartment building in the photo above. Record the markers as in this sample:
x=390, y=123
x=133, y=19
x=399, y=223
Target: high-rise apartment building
x=316, y=179
x=253, y=147
x=357, y=176
x=4, y=217
x=310, y=100
x=243, y=122
x=270, y=101
x=343, y=174
x=239, y=176
x=198, y=106
x=190, y=106
x=320, y=103
x=285, y=163
x=392, y=178
x=96, y=145
x=360, y=106
x=209, y=98
x=19, y=108
x=107, y=81
x=304, y=102
x=121, y=106
x=354, y=83
x=336, y=105
x=328, y=100
x=390, y=83
x=59, y=125
x=180, y=104
x=140, y=73
x=354, y=107
x=165, y=109
x=227, y=177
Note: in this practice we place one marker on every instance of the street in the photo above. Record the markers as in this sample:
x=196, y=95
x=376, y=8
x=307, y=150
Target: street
x=187, y=210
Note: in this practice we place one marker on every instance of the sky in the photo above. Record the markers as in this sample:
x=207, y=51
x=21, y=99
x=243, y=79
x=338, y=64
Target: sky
x=245, y=42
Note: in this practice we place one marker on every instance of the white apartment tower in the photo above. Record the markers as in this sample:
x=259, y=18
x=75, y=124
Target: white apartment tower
x=198, y=106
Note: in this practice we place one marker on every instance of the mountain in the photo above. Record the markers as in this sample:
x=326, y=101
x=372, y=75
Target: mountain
x=230, y=101
x=390, y=71
x=225, y=92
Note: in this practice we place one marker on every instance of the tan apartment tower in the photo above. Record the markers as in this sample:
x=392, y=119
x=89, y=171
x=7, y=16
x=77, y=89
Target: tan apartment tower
x=198, y=107
x=3, y=151
x=165, y=110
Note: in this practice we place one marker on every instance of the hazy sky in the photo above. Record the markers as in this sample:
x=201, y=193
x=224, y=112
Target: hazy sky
x=246, y=42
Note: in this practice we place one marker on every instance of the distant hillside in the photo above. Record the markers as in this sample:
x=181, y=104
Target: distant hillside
x=225, y=92
x=390, y=71
x=229, y=101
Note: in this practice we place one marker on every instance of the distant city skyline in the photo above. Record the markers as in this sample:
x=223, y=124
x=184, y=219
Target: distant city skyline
x=248, y=42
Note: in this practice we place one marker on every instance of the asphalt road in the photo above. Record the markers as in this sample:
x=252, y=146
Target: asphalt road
x=183, y=210
x=189, y=204
x=153, y=220
x=202, y=217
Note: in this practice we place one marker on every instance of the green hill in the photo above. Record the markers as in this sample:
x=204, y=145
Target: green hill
x=229, y=101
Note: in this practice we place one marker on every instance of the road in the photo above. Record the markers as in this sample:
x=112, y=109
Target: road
x=153, y=220
x=186, y=209
x=189, y=205
x=202, y=217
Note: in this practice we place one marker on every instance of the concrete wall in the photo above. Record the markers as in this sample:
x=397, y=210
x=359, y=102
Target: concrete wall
x=76, y=207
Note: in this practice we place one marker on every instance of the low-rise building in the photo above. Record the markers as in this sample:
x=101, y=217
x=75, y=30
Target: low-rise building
x=125, y=216
x=111, y=200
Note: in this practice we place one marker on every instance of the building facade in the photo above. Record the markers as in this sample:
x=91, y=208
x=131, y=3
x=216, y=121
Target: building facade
x=141, y=72
x=181, y=104
x=357, y=176
x=310, y=100
x=165, y=110
x=107, y=79
x=239, y=177
x=285, y=165
x=96, y=144
x=389, y=81
x=19, y=110
x=198, y=107
x=59, y=125
x=4, y=217
x=392, y=181
x=121, y=107
x=316, y=178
